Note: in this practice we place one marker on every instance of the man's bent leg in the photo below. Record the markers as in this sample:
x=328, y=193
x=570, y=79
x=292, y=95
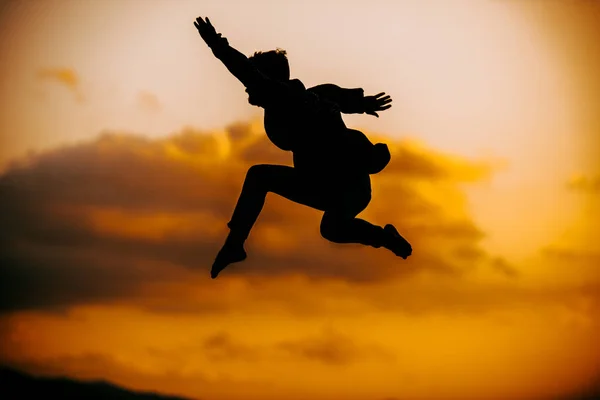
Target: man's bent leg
x=343, y=229
x=261, y=179
x=347, y=229
x=340, y=225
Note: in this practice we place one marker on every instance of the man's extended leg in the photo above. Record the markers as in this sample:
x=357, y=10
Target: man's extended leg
x=261, y=179
x=343, y=228
x=340, y=225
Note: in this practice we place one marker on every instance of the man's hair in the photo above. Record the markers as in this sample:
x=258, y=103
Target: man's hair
x=273, y=63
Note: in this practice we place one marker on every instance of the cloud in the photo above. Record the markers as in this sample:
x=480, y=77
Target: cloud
x=52, y=277
x=583, y=183
x=504, y=267
x=572, y=254
x=582, y=262
x=104, y=220
x=413, y=159
x=333, y=348
x=328, y=347
x=222, y=347
x=66, y=77
x=149, y=102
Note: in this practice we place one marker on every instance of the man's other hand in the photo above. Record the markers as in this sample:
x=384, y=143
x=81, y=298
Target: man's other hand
x=378, y=102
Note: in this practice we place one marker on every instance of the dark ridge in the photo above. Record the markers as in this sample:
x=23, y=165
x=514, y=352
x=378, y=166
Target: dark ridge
x=16, y=385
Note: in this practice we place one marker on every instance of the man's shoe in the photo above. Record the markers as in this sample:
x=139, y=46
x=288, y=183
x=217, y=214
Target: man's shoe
x=396, y=243
x=227, y=255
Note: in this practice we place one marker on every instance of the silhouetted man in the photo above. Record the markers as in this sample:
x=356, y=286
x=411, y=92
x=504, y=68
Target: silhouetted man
x=332, y=163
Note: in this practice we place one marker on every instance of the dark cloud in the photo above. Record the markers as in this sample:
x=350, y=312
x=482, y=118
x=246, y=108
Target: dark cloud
x=56, y=276
x=572, y=254
x=588, y=184
x=99, y=221
x=504, y=267
x=328, y=347
x=222, y=347
x=582, y=262
x=333, y=348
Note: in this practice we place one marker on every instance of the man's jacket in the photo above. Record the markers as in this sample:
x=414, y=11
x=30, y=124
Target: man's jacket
x=308, y=122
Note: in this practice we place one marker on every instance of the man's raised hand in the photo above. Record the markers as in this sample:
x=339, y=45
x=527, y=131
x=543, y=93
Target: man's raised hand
x=379, y=102
x=207, y=31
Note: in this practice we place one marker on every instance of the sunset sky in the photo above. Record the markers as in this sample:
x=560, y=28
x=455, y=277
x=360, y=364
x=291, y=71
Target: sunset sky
x=124, y=144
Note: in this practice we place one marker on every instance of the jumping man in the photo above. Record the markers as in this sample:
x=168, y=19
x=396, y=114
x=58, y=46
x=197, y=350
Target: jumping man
x=332, y=163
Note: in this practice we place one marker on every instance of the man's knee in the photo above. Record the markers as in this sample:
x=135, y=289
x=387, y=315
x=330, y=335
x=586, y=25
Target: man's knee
x=269, y=178
x=256, y=171
x=257, y=175
x=331, y=228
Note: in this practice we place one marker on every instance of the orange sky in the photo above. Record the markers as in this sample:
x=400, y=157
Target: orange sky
x=139, y=143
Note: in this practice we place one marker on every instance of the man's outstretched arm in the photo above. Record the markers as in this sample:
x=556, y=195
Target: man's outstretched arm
x=353, y=101
x=236, y=62
x=240, y=66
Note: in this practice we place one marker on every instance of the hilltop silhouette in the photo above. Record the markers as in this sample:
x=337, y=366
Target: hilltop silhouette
x=16, y=385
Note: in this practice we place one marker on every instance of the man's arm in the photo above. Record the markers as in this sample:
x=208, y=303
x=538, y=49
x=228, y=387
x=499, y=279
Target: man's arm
x=238, y=64
x=353, y=101
x=349, y=100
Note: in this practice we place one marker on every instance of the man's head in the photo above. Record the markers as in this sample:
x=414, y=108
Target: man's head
x=273, y=63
